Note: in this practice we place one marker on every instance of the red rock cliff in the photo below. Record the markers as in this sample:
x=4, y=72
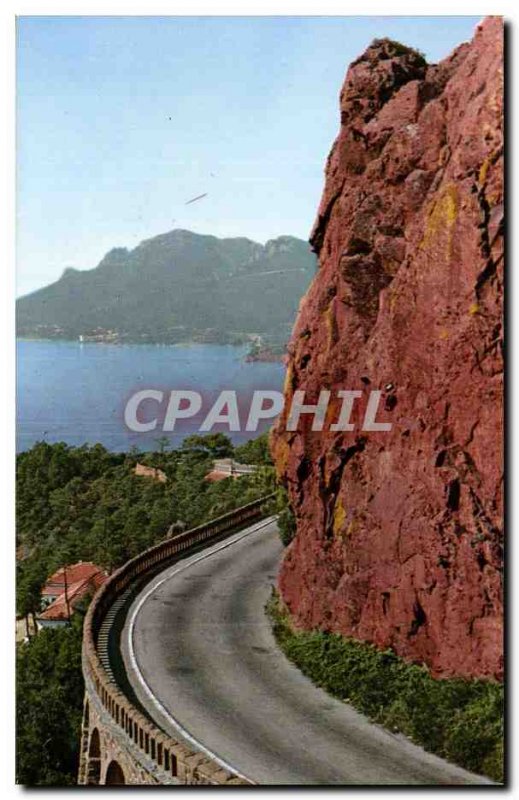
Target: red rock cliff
x=399, y=534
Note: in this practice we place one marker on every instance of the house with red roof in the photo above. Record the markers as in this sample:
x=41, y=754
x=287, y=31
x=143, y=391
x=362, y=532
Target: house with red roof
x=65, y=589
x=228, y=468
x=150, y=472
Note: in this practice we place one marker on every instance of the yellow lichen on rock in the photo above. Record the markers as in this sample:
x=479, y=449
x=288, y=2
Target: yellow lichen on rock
x=441, y=219
x=281, y=453
x=339, y=517
x=287, y=386
x=483, y=171
x=331, y=326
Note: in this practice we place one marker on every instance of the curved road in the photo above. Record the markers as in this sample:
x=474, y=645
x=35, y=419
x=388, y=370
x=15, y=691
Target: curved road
x=201, y=657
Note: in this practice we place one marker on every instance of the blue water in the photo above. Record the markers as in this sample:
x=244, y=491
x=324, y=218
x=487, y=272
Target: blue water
x=76, y=393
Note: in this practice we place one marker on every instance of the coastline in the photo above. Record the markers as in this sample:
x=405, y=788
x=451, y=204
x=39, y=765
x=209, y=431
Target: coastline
x=265, y=356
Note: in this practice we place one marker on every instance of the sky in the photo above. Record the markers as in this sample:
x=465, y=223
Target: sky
x=122, y=120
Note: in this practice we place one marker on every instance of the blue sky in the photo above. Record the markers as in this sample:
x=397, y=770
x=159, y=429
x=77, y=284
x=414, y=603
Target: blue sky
x=121, y=120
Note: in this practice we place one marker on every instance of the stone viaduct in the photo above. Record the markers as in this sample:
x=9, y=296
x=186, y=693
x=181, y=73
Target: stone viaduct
x=120, y=742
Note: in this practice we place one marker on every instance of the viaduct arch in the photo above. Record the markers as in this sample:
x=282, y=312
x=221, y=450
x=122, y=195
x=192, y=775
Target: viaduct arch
x=114, y=774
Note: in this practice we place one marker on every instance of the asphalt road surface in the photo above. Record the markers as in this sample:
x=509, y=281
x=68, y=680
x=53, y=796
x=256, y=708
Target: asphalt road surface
x=201, y=657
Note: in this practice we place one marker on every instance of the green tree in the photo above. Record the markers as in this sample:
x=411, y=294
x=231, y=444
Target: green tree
x=48, y=709
x=30, y=577
x=255, y=451
x=216, y=445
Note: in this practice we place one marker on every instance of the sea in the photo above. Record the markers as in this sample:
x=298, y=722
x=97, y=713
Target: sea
x=77, y=393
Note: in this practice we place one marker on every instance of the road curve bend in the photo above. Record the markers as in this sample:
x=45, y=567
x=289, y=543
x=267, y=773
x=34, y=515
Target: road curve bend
x=200, y=655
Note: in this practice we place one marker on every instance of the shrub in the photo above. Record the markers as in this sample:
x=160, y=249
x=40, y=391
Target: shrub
x=458, y=719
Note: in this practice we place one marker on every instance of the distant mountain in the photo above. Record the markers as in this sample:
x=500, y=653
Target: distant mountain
x=180, y=286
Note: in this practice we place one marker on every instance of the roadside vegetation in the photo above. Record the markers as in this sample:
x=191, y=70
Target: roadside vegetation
x=460, y=720
x=85, y=503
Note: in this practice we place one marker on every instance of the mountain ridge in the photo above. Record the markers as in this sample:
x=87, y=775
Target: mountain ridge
x=176, y=286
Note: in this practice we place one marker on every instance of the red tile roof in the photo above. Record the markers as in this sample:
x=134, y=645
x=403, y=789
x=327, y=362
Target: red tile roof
x=215, y=476
x=150, y=472
x=82, y=579
x=75, y=572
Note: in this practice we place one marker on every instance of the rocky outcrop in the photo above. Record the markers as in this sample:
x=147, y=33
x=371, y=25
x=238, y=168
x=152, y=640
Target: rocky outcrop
x=399, y=534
